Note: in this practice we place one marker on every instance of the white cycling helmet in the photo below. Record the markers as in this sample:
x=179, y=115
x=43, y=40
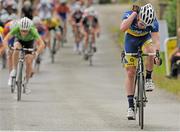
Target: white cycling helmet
x=91, y=11
x=4, y=18
x=63, y=1
x=27, y=3
x=77, y=7
x=25, y=23
x=147, y=14
x=44, y=2
x=36, y=20
x=13, y=16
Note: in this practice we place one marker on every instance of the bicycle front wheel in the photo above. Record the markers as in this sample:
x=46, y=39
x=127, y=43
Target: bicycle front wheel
x=141, y=100
x=19, y=89
x=19, y=80
x=13, y=84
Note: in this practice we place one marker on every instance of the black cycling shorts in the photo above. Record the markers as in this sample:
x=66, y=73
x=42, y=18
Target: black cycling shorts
x=27, y=44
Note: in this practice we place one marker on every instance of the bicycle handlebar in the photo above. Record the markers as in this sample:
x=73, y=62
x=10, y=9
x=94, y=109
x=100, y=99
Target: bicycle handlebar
x=143, y=54
x=24, y=49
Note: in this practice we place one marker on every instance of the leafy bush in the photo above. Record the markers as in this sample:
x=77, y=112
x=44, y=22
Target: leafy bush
x=170, y=16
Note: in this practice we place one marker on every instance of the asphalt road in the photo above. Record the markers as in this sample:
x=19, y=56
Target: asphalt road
x=71, y=95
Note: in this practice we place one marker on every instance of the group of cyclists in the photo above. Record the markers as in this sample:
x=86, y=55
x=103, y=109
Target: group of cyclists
x=41, y=16
x=32, y=29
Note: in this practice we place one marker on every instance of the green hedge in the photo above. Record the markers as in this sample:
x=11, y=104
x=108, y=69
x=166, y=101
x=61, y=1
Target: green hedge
x=170, y=16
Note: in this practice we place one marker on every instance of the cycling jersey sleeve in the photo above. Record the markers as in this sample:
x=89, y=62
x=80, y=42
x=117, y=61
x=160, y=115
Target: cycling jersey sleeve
x=14, y=30
x=126, y=15
x=155, y=26
x=35, y=33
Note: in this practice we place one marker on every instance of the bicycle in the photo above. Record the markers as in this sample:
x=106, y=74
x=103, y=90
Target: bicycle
x=78, y=37
x=4, y=60
x=19, y=75
x=53, y=44
x=90, y=51
x=63, y=39
x=140, y=94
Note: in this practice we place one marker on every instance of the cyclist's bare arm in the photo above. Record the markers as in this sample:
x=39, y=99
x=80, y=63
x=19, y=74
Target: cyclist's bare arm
x=41, y=45
x=5, y=43
x=127, y=22
x=156, y=40
x=98, y=29
x=6, y=39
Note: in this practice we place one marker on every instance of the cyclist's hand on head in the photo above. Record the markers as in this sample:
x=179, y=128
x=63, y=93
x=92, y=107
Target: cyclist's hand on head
x=157, y=59
x=136, y=9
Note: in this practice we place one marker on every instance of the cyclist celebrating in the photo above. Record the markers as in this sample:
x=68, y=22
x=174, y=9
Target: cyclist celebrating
x=90, y=25
x=142, y=29
x=26, y=34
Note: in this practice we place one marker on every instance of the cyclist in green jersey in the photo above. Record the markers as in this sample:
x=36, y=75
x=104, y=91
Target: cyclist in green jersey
x=25, y=33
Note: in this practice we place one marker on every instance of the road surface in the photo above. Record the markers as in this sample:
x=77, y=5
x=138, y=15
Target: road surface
x=70, y=95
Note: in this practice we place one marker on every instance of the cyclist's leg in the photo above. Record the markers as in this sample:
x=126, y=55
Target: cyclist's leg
x=85, y=34
x=15, y=56
x=65, y=29
x=29, y=59
x=9, y=59
x=94, y=40
x=10, y=54
x=148, y=48
x=58, y=37
x=131, y=46
x=86, y=41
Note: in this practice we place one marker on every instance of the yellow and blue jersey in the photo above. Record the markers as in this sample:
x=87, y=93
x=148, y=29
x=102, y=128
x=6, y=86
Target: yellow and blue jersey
x=136, y=37
x=135, y=31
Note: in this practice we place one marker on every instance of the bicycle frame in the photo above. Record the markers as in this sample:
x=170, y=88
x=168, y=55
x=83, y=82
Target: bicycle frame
x=139, y=82
x=19, y=76
x=140, y=97
x=90, y=50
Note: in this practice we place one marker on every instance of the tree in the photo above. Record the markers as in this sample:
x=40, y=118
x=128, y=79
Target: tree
x=171, y=17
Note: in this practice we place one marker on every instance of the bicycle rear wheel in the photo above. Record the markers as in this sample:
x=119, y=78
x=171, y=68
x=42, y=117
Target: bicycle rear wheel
x=141, y=100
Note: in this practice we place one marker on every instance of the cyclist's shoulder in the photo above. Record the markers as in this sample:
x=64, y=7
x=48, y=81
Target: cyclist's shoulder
x=15, y=29
x=127, y=14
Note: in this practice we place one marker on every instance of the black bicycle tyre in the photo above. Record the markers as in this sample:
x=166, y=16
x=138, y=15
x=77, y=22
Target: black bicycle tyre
x=13, y=84
x=4, y=61
x=19, y=81
x=141, y=101
x=53, y=50
x=19, y=88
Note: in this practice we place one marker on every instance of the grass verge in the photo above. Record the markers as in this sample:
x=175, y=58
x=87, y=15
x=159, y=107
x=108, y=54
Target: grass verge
x=159, y=74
